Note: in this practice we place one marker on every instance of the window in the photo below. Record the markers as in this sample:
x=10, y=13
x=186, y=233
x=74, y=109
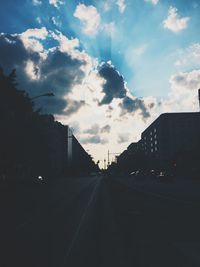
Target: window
x=151, y=150
x=154, y=130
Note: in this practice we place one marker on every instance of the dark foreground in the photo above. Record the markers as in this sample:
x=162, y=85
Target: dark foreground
x=95, y=222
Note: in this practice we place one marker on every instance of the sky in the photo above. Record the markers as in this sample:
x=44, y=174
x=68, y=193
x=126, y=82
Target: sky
x=113, y=65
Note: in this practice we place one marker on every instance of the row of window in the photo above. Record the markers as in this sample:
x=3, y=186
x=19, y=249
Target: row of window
x=153, y=142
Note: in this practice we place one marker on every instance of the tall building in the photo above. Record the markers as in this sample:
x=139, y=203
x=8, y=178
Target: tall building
x=171, y=139
x=171, y=143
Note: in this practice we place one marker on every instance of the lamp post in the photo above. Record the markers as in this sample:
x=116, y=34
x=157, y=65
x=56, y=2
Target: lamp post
x=46, y=94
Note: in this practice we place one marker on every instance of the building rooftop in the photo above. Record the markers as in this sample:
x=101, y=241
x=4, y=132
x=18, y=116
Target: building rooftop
x=173, y=115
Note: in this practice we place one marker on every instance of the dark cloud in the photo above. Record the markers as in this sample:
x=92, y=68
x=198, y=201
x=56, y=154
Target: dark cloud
x=57, y=73
x=13, y=53
x=93, y=130
x=151, y=105
x=123, y=138
x=131, y=105
x=105, y=129
x=73, y=106
x=186, y=80
x=94, y=140
x=95, y=133
x=114, y=86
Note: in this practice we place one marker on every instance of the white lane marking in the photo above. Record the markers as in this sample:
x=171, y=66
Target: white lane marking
x=81, y=221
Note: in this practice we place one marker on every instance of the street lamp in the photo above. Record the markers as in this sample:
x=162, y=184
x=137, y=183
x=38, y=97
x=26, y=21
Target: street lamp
x=46, y=94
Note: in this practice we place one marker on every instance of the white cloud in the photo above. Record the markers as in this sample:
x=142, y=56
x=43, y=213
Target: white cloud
x=174, y=22
x=36, y=2
x=55, y=3
x=89, y=17
x=32, y=70
x=186, y=81
x=154, y=2
x=56, y=22
x=121, y=5
x=31, y=39
x=183, y=94
x=40, y=33
x=189, y=57
x=38, y=19
x=106, y=6
x=65, y=44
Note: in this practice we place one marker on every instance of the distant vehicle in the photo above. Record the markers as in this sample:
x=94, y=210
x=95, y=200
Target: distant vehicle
x=134, y=173
x=165, y=177
x=40, y=178
x=152, y=174
x=161, y=174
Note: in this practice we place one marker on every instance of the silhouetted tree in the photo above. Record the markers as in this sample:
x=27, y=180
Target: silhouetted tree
x=31, y=144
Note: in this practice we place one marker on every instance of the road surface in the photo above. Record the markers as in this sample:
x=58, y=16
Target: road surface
x=97, y=221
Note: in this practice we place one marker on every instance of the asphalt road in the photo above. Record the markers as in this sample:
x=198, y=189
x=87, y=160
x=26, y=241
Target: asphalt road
x=96, y=221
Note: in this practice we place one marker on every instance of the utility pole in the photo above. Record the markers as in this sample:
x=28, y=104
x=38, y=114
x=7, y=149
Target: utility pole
x=199, y=98
x=108, y=158
x=104, y=164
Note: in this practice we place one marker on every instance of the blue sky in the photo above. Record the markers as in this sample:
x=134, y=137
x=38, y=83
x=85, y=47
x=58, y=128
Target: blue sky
x=140, y=25
x=150, y=47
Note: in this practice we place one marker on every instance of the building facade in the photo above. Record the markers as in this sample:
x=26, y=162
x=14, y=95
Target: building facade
x=172, y=139
x=171, y=143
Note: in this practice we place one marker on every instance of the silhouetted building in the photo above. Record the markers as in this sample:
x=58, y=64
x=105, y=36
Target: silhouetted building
x=131, y=159
x=80, y=161
x=171, y=143
x=171, y=139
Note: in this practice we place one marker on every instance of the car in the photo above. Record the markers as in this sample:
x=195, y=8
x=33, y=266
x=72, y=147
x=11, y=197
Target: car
x=134, y=173
x=161, y=174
